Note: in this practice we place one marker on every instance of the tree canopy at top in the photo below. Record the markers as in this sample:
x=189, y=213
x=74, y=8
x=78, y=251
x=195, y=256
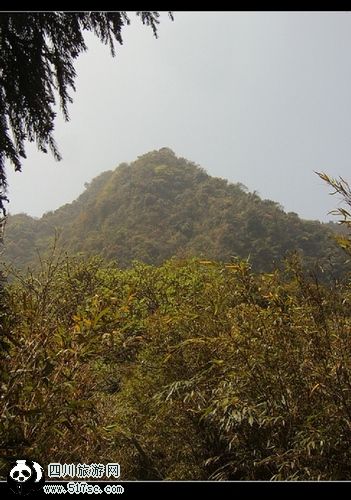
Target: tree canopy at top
x=37, y=51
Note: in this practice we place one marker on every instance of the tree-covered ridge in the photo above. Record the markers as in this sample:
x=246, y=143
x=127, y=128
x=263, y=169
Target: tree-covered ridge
x=189, y=370
x=160, y=206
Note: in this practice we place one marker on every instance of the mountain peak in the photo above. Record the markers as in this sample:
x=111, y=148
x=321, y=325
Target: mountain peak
x=161, y=205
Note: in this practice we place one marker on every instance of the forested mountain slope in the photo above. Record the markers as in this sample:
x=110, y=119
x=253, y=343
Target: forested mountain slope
x=160, y=206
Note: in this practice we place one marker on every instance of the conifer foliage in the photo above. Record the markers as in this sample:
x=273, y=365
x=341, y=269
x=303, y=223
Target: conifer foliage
x=37, y=57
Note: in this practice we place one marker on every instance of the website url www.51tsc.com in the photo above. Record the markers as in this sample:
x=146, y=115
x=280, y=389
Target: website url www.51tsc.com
x=83, y=487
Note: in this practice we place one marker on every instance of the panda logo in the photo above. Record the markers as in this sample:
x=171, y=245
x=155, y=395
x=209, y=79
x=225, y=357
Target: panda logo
x=25, y=477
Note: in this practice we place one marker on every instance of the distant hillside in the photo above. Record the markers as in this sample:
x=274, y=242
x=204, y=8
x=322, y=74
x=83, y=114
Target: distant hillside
x=160, y=206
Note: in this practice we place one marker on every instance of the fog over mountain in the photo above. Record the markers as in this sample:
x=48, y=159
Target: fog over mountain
x=260, y=98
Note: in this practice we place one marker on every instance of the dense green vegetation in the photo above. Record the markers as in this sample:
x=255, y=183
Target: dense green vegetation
x=189, y=370
x=162, y=206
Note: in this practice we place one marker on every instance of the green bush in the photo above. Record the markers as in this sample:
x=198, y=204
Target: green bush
x=190, y=370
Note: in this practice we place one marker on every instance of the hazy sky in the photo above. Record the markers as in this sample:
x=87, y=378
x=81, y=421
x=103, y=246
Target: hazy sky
x=258, y=98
